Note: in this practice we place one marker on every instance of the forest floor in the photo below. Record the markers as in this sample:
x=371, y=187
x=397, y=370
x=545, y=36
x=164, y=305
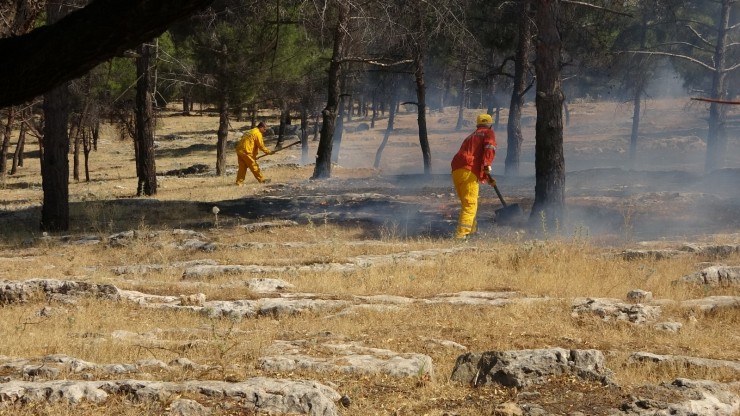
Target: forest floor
x=366, y=259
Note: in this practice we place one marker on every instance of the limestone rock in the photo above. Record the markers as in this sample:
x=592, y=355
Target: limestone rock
x=714, y=276
x=13, y=291
x=528, y=367
x=684, y=361
x=344, y=357
x=609, y=309
x=695, y=397
x=273, y=396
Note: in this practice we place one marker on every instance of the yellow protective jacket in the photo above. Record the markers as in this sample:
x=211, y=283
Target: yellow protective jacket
x=251, y=142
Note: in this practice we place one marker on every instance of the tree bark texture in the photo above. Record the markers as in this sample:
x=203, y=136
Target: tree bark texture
x=514, y=137
x=52, y=54
x=54, y=163
x=420, y=44
x=389, y=128
x=322, y=170
x=18, y=153
x=6, y=144
x=549, y=200
x=716, y=137
x=146, y=169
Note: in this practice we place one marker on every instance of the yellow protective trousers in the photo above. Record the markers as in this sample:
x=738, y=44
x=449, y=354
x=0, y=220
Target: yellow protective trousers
x=247, y=161
x=466, y=186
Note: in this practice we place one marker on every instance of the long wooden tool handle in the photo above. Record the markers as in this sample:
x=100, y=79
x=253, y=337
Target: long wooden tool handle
x=495, y=188
x=278, y=150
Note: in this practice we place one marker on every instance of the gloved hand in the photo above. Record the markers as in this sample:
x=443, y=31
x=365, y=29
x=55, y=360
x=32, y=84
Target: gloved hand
x=269, y=152
x=491, y=180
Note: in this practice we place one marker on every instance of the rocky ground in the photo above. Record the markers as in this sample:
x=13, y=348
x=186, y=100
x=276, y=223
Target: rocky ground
x=347, y=297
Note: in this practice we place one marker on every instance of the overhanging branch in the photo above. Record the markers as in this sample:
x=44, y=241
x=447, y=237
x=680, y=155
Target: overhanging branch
x=593, y=6
x=376, y=62
x=672, y=55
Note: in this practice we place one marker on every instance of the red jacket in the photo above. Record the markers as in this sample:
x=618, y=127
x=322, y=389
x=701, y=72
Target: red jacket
x=477, y=150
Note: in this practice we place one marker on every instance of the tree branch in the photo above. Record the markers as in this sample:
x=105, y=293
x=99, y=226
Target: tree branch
x=50, y=55
x=580, y=3
x=375, y=62
x=672, y=55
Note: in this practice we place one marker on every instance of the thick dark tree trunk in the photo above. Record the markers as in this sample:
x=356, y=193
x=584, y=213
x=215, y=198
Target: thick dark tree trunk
x=549, y=202
x=717, y=138
x=223, y=115
x=223, y=134
x=420, y=45
x=146, y=169
x=322, y=170
x=54, y=163
x=515, y=138
x=421, y=109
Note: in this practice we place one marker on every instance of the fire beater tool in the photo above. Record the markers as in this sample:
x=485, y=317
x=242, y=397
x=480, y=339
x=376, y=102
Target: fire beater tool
x=278, y=150
x=508, y=212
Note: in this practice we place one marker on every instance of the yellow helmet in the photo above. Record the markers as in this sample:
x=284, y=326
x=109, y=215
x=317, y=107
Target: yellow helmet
x=484, y=119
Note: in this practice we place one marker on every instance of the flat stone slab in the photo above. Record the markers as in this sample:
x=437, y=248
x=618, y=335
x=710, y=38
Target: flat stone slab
x=50, y=367
x=688, y=398
x=19, y=291
x=259, y=226
x=614, y=309
x=712, y=250
x=352, y=263
x=712, y=303
x=684, y=361
x=714, y=276
x=286, y=356
x=529, y=367
x=259, y=394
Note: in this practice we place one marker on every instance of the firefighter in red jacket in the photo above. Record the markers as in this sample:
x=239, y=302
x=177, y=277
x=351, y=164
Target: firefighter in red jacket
x=470, y=166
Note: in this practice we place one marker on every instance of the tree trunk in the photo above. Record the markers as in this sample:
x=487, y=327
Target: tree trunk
x=339, y=129
x=388, y=130
x=18, y=154
x=461, y=107
x=515, y=138
x=284, y=121
x=223, y=134
x=87, y=147
x=420, y=52
x=6, y=145
x=304, y=135
x=76, y=149
x=717, y=138
x=54, y=163
x=549, y=202
x=223, y=115
x=146, y=169
x=322, y=170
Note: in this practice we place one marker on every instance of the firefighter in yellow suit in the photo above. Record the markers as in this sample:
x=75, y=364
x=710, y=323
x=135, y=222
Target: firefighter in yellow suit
x=472, y=165
x=246, y=150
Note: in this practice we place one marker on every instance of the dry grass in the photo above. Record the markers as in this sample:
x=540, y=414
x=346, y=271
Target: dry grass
x=559, y=268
